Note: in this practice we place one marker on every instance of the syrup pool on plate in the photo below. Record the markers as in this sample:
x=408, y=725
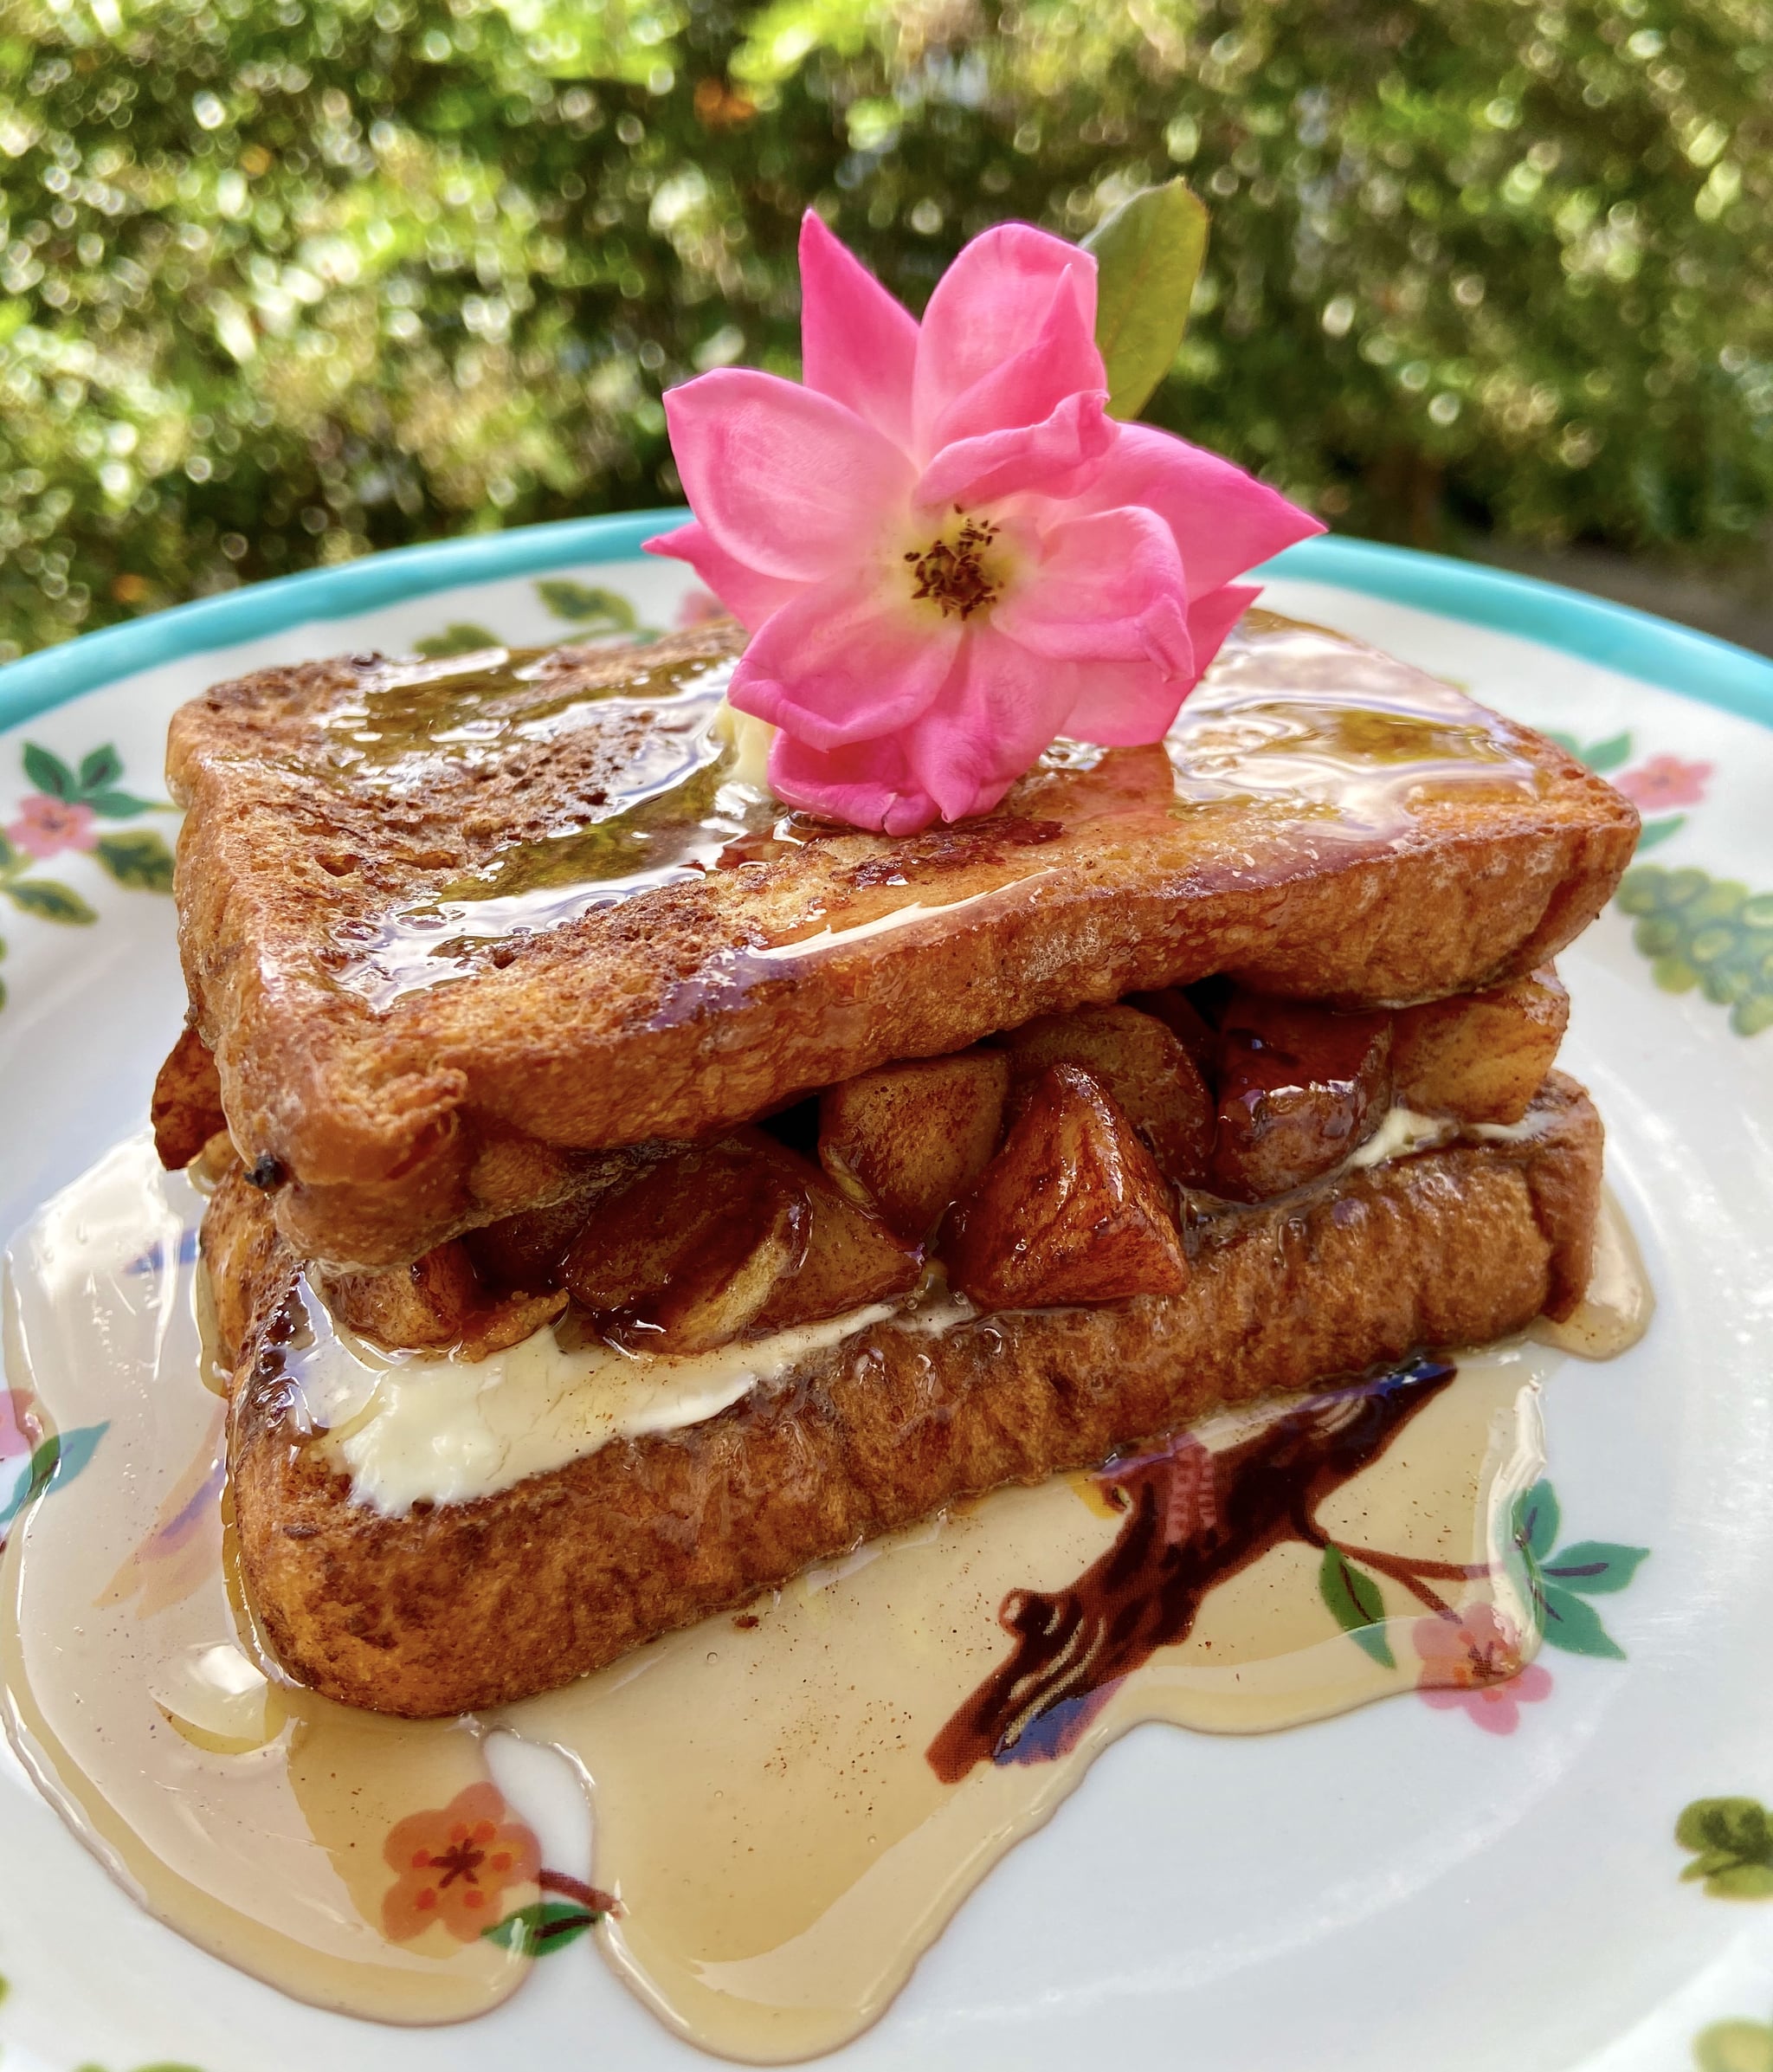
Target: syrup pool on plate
x=789, y=1801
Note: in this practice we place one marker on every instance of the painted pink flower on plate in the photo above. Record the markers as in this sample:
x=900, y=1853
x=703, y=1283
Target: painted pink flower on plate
x=1473, y=1662
x=46, y=826
x=16, y=1426
x=1665, y=780
x=946, y=550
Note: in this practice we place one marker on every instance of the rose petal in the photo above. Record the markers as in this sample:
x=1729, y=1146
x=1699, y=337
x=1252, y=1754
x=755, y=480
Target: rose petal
x=985, y=307
x=1054, y=458
x=780, y=477
x=1224, y=520
x=750, y=597
x=845, y=660
x=1000, y=708
x=1106, y=588
x=869, y=784
x=857, y=344
x=1212, y=616
x=1060, y=360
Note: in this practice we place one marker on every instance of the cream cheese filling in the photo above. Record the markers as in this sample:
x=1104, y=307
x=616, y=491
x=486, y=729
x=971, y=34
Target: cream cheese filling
x=412, y=1429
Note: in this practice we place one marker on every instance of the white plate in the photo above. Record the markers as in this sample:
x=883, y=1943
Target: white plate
x=1385, y=1891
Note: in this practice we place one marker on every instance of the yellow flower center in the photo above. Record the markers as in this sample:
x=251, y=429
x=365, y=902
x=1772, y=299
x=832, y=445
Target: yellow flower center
x=955, y=571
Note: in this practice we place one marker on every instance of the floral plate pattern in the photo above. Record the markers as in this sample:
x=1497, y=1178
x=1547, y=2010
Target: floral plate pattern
x=1594, y=1828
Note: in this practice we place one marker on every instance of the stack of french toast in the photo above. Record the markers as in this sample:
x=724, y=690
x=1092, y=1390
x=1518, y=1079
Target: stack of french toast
x=1192, y=1074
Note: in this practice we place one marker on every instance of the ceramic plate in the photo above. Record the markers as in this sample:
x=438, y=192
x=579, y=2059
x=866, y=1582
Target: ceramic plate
x=1582, y=1879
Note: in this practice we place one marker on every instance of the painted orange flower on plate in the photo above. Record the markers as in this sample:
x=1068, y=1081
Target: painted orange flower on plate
x=455, y=1864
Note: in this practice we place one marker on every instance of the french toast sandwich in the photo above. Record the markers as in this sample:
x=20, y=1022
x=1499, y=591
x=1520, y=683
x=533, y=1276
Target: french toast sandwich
x=628, y=1192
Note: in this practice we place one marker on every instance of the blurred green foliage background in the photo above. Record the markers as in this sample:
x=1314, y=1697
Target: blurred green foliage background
x=284, y=281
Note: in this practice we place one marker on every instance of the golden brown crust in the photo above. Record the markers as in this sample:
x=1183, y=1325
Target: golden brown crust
x=476, y=1604
x=676, y=1013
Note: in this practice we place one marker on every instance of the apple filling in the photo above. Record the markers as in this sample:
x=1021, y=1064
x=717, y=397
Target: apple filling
x=1076, y=1160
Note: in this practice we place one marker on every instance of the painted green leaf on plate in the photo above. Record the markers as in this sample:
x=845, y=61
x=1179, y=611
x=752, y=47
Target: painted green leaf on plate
x=1732, y=1844
x=546, y=1925
x=1148, y=255
x=1594, y=1567
x=100, y=770
x=1355, y=1605
x=141, y=861
x=1572, y=1623
x=120, y=805
x=1603, y=756
x=1536, y=1519
x=50, y=773
x=50, y=901
x=586, y=605
x=461, y=637
x=1654, y=831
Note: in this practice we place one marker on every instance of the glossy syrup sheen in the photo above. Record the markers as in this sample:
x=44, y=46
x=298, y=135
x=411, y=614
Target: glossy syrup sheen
x=1298, y=726
x=789, y=1803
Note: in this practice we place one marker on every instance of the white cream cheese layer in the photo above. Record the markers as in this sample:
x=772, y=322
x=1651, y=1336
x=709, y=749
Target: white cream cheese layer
x=414, y=1430
x=1403, y=1131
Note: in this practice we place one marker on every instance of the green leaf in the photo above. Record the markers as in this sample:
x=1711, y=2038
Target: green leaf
x=462, y=636
x=1596, y=1567
x=8, y=854
x=120, y=805
x=584, y=605
x=141, y=861
x=50, y=901
x=1354, y=1603
x=48, y=772
x=1148, y=256
x=542, y=1925
x=1574, y=1624
x=1654, y=831
x=1536, y=1519
x=100, y=770
x=1568, y=743
x=1600, y=755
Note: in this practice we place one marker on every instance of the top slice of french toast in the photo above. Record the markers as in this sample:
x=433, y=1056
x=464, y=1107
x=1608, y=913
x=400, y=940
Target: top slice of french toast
x=444, y=921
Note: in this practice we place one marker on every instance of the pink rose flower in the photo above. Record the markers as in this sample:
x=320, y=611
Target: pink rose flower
x=46, y=826
x=946, y=552
x=1473, y=1661
x=1665, y=781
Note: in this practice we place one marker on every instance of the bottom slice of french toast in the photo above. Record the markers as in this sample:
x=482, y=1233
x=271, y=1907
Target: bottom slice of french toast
x=458, y=1606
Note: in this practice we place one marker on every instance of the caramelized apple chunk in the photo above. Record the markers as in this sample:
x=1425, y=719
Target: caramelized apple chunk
x=1185, y=1022
x=685, y=1257
x=1299, y=1088
x=910, y=1139
x=1149, y=1071
x=186, y=1108
x=409, y=1308
x=1481, y=1057
x=528, y=1250
x=1073, y=1208
x=851, y=1258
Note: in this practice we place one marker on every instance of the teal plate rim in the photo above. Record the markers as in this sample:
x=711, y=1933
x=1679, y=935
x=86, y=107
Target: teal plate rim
x=1634, y=642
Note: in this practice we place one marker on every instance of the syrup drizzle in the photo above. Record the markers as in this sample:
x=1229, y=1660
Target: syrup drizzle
x=1319, y=737
x=788, y=1803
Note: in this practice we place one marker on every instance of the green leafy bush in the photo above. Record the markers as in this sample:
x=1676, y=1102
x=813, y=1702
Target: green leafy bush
x=282, y=280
